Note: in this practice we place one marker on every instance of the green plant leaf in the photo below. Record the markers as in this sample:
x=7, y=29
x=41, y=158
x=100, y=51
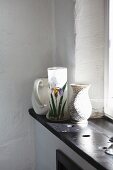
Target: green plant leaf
x=61, y=100
x=53, y=106
x=63, y=88
x=51, y=110
x=60, y=105
x=62, y=112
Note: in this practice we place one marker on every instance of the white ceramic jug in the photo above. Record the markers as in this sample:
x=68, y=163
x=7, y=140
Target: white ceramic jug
x=40, y=97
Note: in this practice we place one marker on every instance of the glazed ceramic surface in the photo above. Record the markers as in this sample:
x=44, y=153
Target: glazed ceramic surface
x=57, y=90
x=40, y=98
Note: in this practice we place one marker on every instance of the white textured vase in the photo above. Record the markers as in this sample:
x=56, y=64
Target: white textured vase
x=80, y=106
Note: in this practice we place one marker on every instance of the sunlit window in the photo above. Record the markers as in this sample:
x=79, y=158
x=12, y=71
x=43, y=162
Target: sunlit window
x=109, y=70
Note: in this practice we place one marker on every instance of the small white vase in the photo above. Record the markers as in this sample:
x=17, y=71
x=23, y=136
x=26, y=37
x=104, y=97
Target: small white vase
x=80, y=106
x=57, y=90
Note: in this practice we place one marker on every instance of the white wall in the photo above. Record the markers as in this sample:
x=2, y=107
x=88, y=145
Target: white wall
x=25, y=54
x=89, y=50
x=87, y=65
x=64, y=34
x=27, y=47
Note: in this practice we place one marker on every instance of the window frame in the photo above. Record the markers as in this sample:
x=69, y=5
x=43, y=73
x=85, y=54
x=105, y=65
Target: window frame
x=107, y=99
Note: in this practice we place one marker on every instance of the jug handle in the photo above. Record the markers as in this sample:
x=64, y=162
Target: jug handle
x=38, y=83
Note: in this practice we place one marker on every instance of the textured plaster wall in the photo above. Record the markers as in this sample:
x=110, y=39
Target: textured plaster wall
x=86, y=65
x=25, y=54
x=64, y=35
x=89, y=49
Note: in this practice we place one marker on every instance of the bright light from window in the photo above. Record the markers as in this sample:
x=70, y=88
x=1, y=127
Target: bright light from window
x=111, y=49
x=109, y=64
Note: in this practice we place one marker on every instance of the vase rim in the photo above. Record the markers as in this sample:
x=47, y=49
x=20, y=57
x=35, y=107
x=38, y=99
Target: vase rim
x=56, y=68
x=80, y=85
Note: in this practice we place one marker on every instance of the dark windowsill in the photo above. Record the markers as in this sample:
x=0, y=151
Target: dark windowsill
x=108, y=118
x=89, y=142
